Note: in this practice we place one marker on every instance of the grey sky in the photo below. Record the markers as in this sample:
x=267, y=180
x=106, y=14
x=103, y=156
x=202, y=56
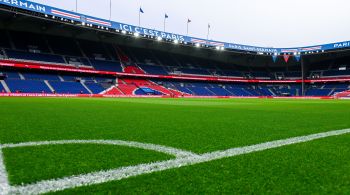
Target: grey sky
x=275, y=23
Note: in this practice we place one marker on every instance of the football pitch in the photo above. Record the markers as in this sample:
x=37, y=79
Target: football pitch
x=174, y=146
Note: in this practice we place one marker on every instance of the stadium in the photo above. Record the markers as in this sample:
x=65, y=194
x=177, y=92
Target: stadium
x=95, y=106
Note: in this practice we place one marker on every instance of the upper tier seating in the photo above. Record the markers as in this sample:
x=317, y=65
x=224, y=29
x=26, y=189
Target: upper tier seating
x=151, y=69
x=22, y=42
x=133, y=69
x=106, y=65
x=93, y=50
x=329, y=73
x=4, y=41
x=260, y=74
x=34, y=56
x=292, y=74
x=232, y=73
x=64, y=46
x=194, y=71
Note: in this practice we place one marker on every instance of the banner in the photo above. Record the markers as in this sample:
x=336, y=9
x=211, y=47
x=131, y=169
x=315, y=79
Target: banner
x=274, y=58
x=286, y=57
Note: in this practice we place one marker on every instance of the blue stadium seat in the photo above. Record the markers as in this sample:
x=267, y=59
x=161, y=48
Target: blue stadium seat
x=95, y=88
x=336, y=73
x=2, y=89
x=68, y=87
x=150, y=69
x=201, y=91
x=27, y=86
x=220, y=91
x=11, y=74
x=106, y=65
x=40, y=76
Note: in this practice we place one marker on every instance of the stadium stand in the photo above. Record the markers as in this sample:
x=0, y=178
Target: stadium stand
x=69, y=87
x=2, y=89
x=95, y=88
x=27, y=86
x=75, y=54
x=106, y=65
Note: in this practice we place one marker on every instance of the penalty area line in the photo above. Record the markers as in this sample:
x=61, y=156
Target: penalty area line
x=126, y=172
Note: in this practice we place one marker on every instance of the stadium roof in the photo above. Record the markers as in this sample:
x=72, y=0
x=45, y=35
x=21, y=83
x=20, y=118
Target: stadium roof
x=137, y=30
x=268, y=23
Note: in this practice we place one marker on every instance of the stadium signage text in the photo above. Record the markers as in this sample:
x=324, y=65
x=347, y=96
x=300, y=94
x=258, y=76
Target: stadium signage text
x=25, y=4
x=341, y=45
x=145, y=31
x=251, y=48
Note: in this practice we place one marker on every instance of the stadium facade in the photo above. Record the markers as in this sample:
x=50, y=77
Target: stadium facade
x=46, y=51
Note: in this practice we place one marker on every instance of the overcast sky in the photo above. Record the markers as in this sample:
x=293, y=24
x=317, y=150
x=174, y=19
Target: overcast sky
x=268, y=23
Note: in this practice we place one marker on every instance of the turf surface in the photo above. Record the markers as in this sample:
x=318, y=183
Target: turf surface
x=197, y=125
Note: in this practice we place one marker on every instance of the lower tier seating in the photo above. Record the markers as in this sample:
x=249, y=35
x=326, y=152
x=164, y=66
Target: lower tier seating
x=95, y=88
x=2, y=89
x=62, y=83
x=69, y=87
x=28, y=86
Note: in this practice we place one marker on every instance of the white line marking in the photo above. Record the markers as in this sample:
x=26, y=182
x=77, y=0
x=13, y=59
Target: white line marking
x=163, y=149
x=4, y=183
x=126, y=172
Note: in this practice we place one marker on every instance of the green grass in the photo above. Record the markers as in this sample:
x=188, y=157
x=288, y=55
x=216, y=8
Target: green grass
x=26, y=164
x=197, y=125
